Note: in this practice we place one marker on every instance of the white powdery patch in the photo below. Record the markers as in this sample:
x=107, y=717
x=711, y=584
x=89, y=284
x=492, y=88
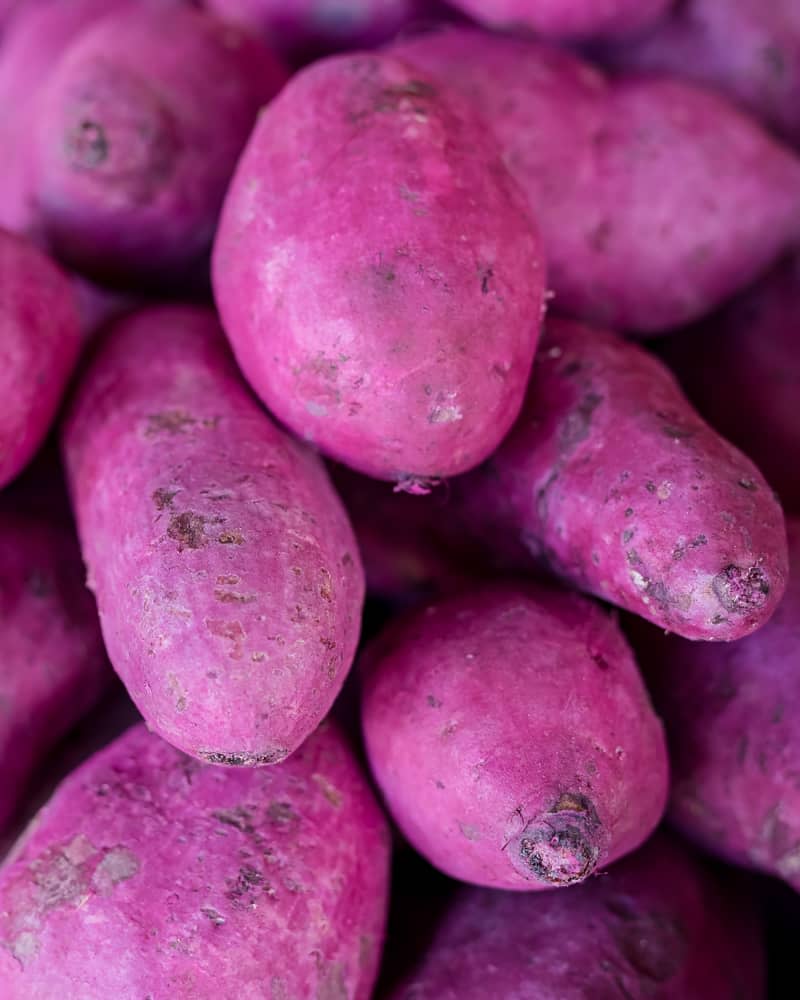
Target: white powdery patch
x=277, y=267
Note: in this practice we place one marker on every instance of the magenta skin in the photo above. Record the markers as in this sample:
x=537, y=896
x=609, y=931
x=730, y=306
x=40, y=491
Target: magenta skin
x=150, y=875
x=615, y=483
x=40, y=339
x=301, y=27
x=226, y=572
x=377, y=272
x=658, y=925
x=568, y=20
x=136, y=138
x=748, y=49
x=512, y=737
x=53, y=663
x=37, y=33
x=656, y=199
x=730, y=715
x=751, y=347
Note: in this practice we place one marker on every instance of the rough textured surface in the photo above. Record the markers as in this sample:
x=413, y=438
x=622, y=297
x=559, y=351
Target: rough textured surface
x=304, y=27
x=52, y=663
x=137, y=132
x=656, y=199
x=751, y=347
x=377, y=271
x=730, y=715
x=150, y=875
x=613, y=481
x=512, y=736
x=568, y=20
x=748, y=49
x=226, y=573
x=656, y=926
x=40, y=338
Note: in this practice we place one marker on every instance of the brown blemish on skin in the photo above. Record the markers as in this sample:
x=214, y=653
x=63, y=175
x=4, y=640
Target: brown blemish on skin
x=162, y=497
x=232, y=597
x=230, y=580
x=244, y=759
x=331, y=793
x=230, y=538
x=433, y=702
x=281, y=814
x=169, y=422
x=326, y=587
x=230, y=630
x=741, y=590
x=187, y=529
x=561, y=847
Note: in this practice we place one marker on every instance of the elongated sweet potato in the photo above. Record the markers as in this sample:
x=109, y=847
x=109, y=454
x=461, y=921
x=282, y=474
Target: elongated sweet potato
x=377, y=271
x=52, y=663
x=137, y=130
x=656, y=925
x=151, y=875
x=729, y=711
x=225, y=570
x=613, y=481
x=40, y=339
x=656, y=199
x=512, y=736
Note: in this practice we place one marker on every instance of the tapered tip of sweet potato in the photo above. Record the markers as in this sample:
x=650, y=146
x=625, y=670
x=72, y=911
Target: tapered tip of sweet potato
x=561, y=847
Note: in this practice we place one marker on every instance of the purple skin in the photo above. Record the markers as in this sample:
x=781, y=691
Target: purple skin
x=40, y=339
x=568, y=20
x=411, y=241
x=135, y=140
x=656, y=200
x=54, y=667
x=751, y=346
x=150, y=875
x=656, y=926
x=748, y=49
x=512, y=737
x=299, y=28
x=730, y=715
x=225, y=569
x=614, y=482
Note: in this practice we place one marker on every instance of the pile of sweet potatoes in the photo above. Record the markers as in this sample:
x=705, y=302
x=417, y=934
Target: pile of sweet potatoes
x=399, y=498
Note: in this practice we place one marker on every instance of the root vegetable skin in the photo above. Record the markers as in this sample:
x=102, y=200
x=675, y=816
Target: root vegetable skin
x=40, y=339
x=379, y=276
x=53, y=663
x=226, y=573
x=656, y=925
x=656, y=199
x=512, y=737
x=613, y=480
x=729, y=711
x=149, y=874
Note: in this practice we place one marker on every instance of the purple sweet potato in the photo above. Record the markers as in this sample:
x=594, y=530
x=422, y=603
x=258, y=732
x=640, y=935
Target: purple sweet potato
x=729, y=711
x=741, y=368
x=748, y=49
x=137, y=131
x=40, y=339
x=52, y=664
x=512, y=736
x=656, y=199
x=614, y=482
x=225, y=570
x=151, y=875
x=568, y=20
x=657, y=926
x=377, y=271
x=300, y=28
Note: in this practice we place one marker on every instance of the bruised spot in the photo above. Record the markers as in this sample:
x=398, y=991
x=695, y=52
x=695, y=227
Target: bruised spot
x=331, y=793
x=741, y=590
x=468, y=831
x=486, y=276
x=232, y=597
x=578, y=423
x=118, y=865
x=599, y=236
x=187, y=530
x=230, y=538
x=600, y=660
x=653, y=944
x=244, y=759
x=169, y=422
x=433, y=702
x=162, y=497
